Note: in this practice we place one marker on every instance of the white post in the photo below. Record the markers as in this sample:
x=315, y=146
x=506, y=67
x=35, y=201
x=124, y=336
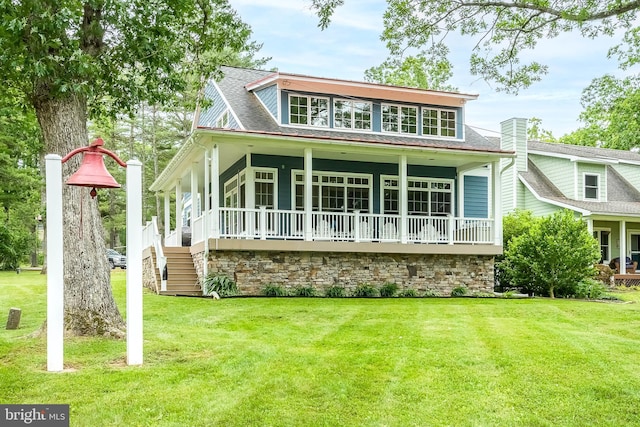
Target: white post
x=403, y=198
x=206, y=213
x=308, y=191
x=179, y=213
x=356, y=225
x=590, y=225
x=215, y=192
x=55, y=267
x=134, y=263
x=263, y=223
x=167, y=215
x=195, y=203
x=623, y=247
x=496, y=191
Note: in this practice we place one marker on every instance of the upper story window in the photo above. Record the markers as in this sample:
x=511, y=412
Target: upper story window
x=400, y=119
x=351, y=114
x=591, y=186
x=438, y=122
x=308, y=110
x=223, y=120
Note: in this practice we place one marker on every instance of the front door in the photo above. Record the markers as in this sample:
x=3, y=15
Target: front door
x=635, y=247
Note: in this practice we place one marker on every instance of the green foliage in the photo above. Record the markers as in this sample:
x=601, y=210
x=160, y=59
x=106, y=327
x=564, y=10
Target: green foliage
x=459, y=291
x=273, y=290
x=305, y=291
x=219, y=283
x=335, y=292
x=515, y=224
x=408, y=293
x=365, y=290
x=590, y=289
x=430, y=293
x=388, y=290
x=478, y=294
x=553, y=256
x=535, y=131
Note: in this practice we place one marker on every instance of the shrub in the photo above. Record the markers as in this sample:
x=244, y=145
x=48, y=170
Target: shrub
x=515, y=224
x=335, y=292
x=305, y=291
x=430, y=293
x=272, y=290
x=219, y=283
x=556, y=254
x=388, y=290
x=459, y=291
x=365, y=290
x=590, y=289
x=407, y=293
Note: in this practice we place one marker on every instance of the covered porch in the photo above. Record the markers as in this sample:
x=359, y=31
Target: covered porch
x=619, y=239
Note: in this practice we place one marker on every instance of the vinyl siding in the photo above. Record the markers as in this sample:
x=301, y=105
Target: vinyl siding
x=630, y=173
x=559, y=171
x=269, y=97
x=592, y=169
x=476, y=196
x=209, y=115
x=537, y=207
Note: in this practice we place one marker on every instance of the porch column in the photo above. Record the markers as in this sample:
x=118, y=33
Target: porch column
x=179, y=205
x=215, y=192
x=496, y=190
x=623, y=247
x=205, y=215
x=167, y=215
x=250, y=199
x=195, y=203
x=590, y=226
x=404, y=197
x=308, y=191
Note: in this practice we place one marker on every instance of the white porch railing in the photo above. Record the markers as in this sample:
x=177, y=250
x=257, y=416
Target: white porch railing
x=151, y=237
x=262, y=223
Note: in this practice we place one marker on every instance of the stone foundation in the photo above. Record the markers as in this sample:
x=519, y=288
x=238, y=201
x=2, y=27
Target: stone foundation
x=252, y=270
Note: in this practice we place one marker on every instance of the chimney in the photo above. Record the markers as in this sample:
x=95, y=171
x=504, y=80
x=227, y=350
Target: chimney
x=513, y=138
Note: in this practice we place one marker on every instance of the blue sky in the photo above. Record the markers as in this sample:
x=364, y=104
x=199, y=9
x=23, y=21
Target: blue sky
x=290, y=35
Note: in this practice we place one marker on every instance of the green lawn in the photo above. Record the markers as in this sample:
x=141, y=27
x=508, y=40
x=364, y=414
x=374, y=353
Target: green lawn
x=337, y=362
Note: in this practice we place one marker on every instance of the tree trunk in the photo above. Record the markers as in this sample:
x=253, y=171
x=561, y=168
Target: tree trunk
x=89, y=307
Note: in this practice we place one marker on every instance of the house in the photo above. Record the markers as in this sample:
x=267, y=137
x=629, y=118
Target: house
x=305, y=181
x=600, y=185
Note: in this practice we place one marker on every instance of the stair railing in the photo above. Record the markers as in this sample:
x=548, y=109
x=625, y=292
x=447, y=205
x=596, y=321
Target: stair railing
x=161, y=259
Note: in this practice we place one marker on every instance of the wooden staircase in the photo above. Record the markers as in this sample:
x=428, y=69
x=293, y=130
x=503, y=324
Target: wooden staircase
x=182, y=278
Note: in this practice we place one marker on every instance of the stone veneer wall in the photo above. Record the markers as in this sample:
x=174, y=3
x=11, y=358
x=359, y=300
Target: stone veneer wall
x=149, y=274
x=252, y=270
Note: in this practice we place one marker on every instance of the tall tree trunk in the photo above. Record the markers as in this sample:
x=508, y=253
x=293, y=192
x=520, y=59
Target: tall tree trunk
x=89, y=307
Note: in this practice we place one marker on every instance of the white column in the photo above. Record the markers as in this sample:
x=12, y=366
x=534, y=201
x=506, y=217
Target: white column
x=590, y=225
x=403, y=198
x=308, y=191
x=215, y=192
x=250, y=199
x=623, y=247
x=179, y=213
x=496, y=191
x=206, y=215
x=55, y=267
x=195, y=203
x=167, y=215
x=134, y=263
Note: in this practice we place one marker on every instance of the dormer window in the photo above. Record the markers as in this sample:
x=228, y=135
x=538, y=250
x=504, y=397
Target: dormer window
x=399, y=119
x=308, y=110
x=591, y=186
x=351, y=114
x=438, y=122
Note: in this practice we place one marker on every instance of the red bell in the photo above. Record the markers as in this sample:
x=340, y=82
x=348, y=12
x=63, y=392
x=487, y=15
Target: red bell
x=92, y=172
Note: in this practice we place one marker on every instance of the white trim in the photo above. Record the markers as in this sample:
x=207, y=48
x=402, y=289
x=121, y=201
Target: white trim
x=409, y=179
x=584, y=186
x=576, y=190
x=400, y=106
x=345, y=185
x=382, y=188
x=309, y=117
x=439, y=110
x=273, y=181
x=599, y=231
x=351, y=102
x=267, y=108
x=226, y=102
x=579, y=159
x=583, y=212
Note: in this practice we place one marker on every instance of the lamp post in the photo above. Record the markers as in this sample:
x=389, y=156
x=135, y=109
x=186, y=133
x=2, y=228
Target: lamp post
x=92, y=173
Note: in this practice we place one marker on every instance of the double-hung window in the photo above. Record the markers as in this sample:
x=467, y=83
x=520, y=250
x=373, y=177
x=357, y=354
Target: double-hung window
x=265, y=188
x=425, y=196
x=308, y=110
x=399, y=119
x=334, y=192
x=591, y=186
x=351, y=114
x=438, y=122
x=604, y=239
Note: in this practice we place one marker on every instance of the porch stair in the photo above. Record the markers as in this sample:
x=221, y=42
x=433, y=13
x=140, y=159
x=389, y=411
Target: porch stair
x=182, y=278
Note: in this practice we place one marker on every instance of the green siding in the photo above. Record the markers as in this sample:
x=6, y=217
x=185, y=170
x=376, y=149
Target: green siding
x=595, y=170
x=630, y=173
x=537, y=207
x=559, y=171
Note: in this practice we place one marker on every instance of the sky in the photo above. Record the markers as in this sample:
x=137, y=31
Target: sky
x=290, y=35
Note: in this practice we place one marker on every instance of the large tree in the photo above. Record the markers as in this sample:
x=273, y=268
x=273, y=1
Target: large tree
x=503, y=30
x=73, y=59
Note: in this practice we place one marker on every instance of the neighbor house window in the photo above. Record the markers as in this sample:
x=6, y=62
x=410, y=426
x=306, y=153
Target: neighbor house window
x=438, y=122
x=591, y=187
x=351, y=114
x=603, y=237
x=400, y=119
x=308, y=110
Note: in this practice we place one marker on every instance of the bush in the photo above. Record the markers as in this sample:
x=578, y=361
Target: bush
x=459, y=291
x=388, y=290
x=271, y=290
x=365, y=290
x=408, y=293
x=335, y=292
x=556, y=254
x=305, y=291
x=590, y=289
x=219, y=283
x=430, y=293
x=515, y=224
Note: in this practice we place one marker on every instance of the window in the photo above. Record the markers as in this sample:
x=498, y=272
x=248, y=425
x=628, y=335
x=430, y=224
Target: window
x=424, y=196
x=603, y=238
x=351, y=114
x=390, y=196
x=400, y=119
x=333, y=192
x=223, y=120
x=265, y=188
x=234, y=191
x=308, y=110
x=438, y=122
x=591, y=187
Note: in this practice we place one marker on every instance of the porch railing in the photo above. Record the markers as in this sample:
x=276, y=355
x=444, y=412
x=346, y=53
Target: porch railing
x=151, y=237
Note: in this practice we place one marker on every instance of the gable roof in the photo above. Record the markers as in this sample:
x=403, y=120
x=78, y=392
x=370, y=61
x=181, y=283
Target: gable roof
x=255, y=119
x=584, y=152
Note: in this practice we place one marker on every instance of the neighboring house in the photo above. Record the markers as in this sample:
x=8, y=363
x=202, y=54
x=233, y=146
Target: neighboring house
x=601, y=185
x=315, y=181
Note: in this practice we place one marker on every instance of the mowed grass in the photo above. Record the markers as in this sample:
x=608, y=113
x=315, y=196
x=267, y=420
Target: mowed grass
x=336, y=362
